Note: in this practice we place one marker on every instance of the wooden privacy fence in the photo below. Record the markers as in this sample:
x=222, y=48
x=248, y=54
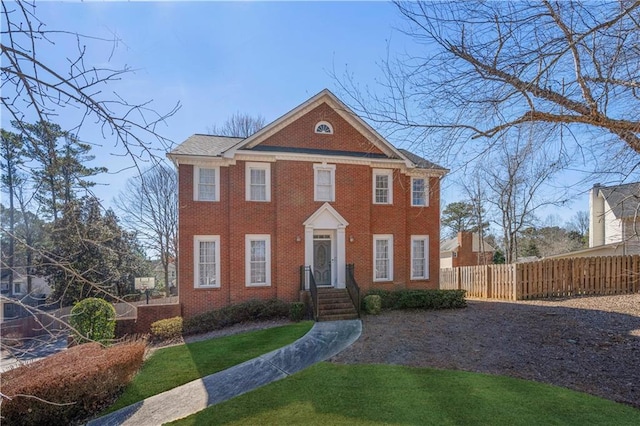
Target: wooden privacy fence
x=547, y=278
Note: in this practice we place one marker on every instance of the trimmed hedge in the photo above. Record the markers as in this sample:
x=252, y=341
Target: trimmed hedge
x=167, y=329
x=252, y=310
x=79, y=381
x=420, y=299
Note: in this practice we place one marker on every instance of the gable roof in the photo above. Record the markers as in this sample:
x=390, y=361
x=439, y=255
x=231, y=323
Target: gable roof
x=624, y=200
x=227, y=147
x=452, y=244
x=325, y=96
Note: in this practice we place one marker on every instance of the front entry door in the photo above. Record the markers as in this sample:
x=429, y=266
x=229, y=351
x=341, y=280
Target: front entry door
x=322, y=262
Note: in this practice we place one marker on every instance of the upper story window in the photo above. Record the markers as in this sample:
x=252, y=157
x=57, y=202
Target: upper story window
x=324, y=128
x=419, y=192
x=324, y=182
x=382, y=186
x=258, y=181
x=206, y=185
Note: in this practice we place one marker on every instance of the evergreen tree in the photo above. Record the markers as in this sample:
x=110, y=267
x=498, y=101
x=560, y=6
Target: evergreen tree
x=92, y=256
x=461, y=216
x=11, y=152
x=61, y=160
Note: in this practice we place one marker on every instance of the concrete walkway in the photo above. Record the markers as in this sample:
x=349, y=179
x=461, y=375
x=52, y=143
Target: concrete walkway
x=323, y=341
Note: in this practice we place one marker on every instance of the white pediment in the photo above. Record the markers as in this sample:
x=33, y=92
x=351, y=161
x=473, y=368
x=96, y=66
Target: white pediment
x=326, y=217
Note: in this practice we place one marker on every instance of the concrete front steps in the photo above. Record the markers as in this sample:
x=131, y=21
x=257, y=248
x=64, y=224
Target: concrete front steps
x=335, y=304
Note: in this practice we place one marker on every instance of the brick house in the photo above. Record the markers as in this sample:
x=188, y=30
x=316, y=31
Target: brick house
x=317, y=187
x=465, y=250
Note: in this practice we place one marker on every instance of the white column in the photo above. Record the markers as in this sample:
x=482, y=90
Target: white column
x=308, y=251
x=341, y=257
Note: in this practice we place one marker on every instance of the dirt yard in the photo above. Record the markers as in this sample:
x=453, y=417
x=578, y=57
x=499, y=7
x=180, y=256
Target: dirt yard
x=589, y=344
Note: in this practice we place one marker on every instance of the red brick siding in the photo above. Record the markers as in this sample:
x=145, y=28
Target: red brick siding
x=292, y=193
x=302, y=133
x=466, y=256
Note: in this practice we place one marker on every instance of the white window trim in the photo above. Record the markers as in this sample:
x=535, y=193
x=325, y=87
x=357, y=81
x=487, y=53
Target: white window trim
x=267, y=180
x=197, y=239
x=426, y=192
x=424, y=238
x=389, y=174
x=388, y=237
x=332, y=169
x=319, y=123
x=196, y=183
x=19, y=284
x=247, y=258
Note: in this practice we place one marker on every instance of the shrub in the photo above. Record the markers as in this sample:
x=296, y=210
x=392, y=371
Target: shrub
x=252, y=310
x=421, y=299
x=93, y=320
x=372, y=304
x=167, y=329
x=297, y=311
x=81, y=379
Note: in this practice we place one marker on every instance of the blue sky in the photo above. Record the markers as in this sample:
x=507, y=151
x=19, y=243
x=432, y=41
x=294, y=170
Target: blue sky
x=218, y=58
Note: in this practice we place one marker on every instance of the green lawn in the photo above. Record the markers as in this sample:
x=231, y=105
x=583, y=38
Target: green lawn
x=328, y=394
x=177, y=365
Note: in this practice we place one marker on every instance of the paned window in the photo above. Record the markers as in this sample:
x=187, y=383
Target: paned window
x=324, y=181
x=207, y=184
x=258, y=182
x=207, y=261
x=419, y=257
x=258, y=259
x=324, y=128
x=383, y=257
x=419, y=192
x=383, y=187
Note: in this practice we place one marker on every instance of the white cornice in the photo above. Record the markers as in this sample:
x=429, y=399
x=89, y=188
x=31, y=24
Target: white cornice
x=271, y=157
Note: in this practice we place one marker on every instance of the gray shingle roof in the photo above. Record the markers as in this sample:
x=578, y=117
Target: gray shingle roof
x=420, y=162
x=449, y=245
x=205, y=145
x=624, y=200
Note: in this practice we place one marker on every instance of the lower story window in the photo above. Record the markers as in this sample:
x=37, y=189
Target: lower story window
x=419, y=257
x=258, y=260
x=207, y=261
x=383, y=257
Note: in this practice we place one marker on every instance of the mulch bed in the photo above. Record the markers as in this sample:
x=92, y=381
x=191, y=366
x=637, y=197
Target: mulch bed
x=589, y=344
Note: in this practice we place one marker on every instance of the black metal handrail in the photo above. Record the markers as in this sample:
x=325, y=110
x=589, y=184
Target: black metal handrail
x=352, y=287
x=313, y=288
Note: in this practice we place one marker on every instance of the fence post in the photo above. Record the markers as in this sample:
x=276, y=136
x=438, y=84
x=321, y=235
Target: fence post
x=517, y=291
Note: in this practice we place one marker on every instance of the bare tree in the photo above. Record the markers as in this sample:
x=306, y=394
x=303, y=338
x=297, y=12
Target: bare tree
x=514, y=175
x=580, y=223
x=149, y=204
x=476, y=192
x=239, y=125
x=35, y=91
x=487, y=67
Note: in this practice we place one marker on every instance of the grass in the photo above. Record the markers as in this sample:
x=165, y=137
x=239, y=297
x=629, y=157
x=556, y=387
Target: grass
x=177, y=365
x=382, y=394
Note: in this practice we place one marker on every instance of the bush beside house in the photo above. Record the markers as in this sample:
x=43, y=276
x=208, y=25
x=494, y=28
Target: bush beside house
x=419, y=299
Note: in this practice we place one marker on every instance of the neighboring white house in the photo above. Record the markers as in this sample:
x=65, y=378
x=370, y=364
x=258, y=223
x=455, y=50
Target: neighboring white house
x=18, y=291
x=614, y=220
